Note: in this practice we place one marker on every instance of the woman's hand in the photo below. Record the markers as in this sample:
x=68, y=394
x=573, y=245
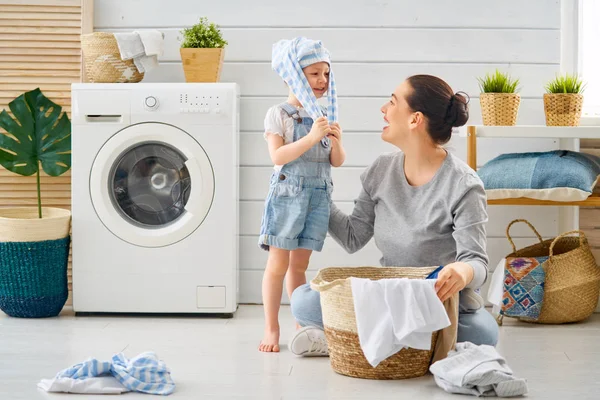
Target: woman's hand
x=452, y=279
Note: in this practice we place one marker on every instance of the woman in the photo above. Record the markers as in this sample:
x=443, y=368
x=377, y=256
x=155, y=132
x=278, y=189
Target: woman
x=422, y=205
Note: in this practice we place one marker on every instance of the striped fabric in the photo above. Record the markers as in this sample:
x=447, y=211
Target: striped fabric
x=144, y=373
x=289, y=57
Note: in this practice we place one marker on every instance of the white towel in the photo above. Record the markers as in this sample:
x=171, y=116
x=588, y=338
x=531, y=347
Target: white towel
x=478, y=371
x=496, y=288
x=392, y=314
x=99, y=385
x=143, y=47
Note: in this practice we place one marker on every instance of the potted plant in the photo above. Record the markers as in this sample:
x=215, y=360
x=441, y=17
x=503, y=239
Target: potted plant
x=202, y=51
x=499, y=99
x=563, y=101
x=34, y=242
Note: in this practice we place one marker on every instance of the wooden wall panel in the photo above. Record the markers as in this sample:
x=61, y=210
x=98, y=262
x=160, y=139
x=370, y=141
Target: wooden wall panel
x=40, y=47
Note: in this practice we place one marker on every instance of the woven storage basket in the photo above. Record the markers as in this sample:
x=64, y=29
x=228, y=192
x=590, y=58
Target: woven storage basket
x=500, y=109
x=572, y=277
x=346, y=355
x=563, y=109
x=102, y=60
x=34, y=255
x=202, y=65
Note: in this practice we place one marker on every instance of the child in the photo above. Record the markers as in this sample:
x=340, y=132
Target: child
x=303, y=145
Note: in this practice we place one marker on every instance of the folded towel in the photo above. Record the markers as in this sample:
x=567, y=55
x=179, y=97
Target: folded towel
x=392, y=314
x=478, y=371
x=143, y=47
x=144, y=373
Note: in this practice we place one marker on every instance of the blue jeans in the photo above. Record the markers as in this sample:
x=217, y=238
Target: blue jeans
x=477, y=327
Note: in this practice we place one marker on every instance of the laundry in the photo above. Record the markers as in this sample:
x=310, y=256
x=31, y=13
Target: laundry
x=144, y=373
x=478, y=371
x=393, y=314
x=144, y=47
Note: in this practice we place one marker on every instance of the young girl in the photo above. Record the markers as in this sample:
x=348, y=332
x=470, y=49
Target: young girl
x=304, y=141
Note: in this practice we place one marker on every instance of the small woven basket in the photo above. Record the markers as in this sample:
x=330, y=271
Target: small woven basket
x=572, y=282
x=102, y=60
x=500, y=109
x=34, y=255
x=563, y=109
x=346, y=355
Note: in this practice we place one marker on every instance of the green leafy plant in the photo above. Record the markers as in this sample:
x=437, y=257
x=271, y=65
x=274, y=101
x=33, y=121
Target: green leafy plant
x=498, y=82
x=566, y=84
x=37, y=134
x=203, y=35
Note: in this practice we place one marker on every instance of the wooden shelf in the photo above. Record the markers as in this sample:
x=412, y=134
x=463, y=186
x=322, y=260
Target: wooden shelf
x=531, y=131
x=538, y=131
x=592, y=201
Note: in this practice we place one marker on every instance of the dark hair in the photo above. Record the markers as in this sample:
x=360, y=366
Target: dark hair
x=443, y=109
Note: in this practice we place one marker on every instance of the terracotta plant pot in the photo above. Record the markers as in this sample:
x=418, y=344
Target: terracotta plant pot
x=202, y=65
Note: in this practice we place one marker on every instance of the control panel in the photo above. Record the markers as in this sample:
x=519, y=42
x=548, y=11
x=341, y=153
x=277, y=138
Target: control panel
x=203, y=103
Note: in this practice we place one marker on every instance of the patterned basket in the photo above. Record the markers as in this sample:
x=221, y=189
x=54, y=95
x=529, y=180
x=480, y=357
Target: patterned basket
x=500, y=109
x=102, y=60
x=346, y=355
x=563, y=109
x=572, y=277
x=34, y=255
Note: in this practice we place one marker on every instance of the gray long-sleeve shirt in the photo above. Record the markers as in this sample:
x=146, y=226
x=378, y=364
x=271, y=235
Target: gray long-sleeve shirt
x=437, y=223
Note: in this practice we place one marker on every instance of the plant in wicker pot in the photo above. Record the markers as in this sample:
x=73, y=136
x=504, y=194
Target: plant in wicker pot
x=563, y=101
x=34, y=242
x=499, y=99
x=202, y=52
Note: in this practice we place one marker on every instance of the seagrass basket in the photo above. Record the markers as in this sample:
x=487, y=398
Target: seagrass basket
x=102, y=60
x=572, y=277
x=563, y=109
x=346, y=355
x=499, y=109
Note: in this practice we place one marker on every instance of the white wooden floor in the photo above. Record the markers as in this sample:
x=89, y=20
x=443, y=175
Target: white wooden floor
x=218, y=359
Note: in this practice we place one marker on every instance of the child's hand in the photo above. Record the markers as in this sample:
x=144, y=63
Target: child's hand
x=336, y=133
x=320, y=129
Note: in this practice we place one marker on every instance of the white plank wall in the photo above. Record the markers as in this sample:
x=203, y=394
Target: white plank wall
x=374, y=46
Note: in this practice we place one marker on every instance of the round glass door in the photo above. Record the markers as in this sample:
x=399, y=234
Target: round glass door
x=150, y=184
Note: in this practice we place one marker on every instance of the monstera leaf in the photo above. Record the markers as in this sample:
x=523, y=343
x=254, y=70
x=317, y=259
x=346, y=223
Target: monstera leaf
x=38, y=134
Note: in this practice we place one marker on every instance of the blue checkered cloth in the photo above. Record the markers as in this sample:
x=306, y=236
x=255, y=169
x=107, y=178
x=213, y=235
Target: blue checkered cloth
x=289, y=58
x=144, y=373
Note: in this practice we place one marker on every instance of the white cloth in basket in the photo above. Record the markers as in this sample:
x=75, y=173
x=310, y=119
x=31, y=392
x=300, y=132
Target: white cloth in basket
x=144, y=47
x=392, y=314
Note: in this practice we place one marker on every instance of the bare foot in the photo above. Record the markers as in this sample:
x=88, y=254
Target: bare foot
x=298, y=326
x=270, y=342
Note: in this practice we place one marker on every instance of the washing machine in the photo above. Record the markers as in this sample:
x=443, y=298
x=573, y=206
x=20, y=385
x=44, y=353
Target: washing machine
x=155, y=198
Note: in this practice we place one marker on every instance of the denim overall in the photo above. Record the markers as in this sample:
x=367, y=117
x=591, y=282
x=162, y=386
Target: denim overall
x=296, y=213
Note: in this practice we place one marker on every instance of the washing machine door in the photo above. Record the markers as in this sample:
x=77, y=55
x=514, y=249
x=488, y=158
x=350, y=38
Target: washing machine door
x=152, y=184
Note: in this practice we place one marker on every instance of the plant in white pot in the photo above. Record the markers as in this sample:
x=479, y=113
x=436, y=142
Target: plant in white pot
x=34, y=241
x=202, y=52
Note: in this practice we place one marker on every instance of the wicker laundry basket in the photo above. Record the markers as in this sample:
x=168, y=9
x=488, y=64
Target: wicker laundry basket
x=572, y=277
x=102, y=60
x=346, y=355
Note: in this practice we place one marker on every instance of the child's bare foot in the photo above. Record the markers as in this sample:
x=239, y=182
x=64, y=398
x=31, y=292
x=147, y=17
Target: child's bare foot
x=298, y=326
x=270, y=342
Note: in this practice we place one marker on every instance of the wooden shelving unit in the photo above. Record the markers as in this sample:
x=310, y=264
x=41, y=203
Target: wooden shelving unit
x=535, y=131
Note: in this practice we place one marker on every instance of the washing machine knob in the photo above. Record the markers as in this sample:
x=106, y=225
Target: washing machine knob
x=151, y=103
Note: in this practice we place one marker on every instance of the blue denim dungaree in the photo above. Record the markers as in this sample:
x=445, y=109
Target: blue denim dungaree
x=296, y=213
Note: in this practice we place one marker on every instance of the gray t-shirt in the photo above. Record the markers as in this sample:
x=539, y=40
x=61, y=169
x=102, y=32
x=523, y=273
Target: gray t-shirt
x=434, y=224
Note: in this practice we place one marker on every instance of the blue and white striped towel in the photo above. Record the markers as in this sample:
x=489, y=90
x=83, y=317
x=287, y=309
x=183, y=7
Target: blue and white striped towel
x=289, y=57
x=144, y=373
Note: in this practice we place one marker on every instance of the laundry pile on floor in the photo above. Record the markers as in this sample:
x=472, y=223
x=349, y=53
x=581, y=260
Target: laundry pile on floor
x=144, y=373
x=143, y=46
x=477, y=370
